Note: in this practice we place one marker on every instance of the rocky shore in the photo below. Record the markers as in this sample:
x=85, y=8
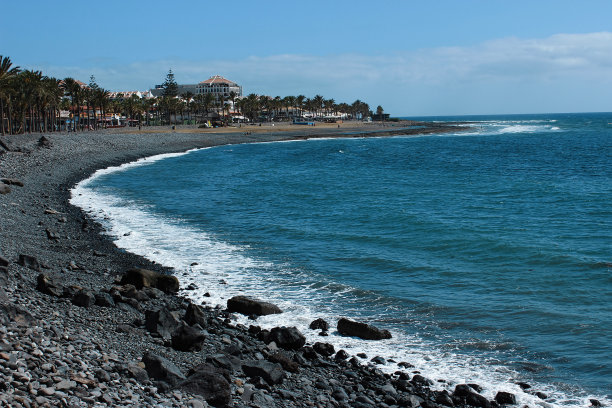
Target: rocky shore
x=83, y=323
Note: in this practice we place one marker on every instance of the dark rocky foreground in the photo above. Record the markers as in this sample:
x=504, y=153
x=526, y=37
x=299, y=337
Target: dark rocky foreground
x=77, y=329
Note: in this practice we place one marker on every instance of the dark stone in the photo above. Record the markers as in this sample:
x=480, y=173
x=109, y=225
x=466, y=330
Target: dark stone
x=504, y=398
x=541, y=395
x=104, y=299
x=130, y=292
x=378, y=360
x=339, y=394
x=162, y=322
x=29, y=262
x=84, y=298
x=248, y=306
x=471, y=397
x=595, y=403
x=477, y=400
x=285, y=362
x=52, y=235
x=476, y=387
x=444, y=398
x=226, y=362
x=420, y=380
x=137, y=372
x=362, y=330
x=70, y=291
x=187, y=338
x=195, y=315
x=44, y=142
x=4, y=188
x=161, y=369
x=309, y=353
x=272, y=373
x=462, y=390
x=523, y=385
x=4, y=263
x=288, y=338
x=404, y=364
x=341, y=355
x=319, y=324
x=47, y=286
x=324, y=349
x=210, y=383
x=144, y=278
x=10, y=312
x=12, y=182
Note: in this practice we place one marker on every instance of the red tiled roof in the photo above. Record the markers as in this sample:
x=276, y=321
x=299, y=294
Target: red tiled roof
x=217, y=79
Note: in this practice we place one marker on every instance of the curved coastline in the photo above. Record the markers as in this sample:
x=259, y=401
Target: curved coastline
x=48, y=185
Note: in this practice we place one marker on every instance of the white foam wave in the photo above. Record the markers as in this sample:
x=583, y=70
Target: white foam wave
x=222, y=270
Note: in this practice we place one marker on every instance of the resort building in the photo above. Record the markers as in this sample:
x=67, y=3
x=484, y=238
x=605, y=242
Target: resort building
x=219, y=87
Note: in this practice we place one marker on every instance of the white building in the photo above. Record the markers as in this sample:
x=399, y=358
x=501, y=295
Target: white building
x=220, y=88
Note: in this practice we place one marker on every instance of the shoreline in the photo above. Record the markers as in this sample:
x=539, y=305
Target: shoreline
x=78, y=251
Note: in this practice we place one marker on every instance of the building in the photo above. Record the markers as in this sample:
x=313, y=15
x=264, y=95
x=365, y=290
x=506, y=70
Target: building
x=219, y=87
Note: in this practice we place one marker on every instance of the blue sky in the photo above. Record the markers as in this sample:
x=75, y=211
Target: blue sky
x=412, y=57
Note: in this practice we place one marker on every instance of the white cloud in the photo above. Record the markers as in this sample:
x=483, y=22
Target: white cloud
x=561, y=61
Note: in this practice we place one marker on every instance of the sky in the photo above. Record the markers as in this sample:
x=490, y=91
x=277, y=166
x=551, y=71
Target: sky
x=412, y=57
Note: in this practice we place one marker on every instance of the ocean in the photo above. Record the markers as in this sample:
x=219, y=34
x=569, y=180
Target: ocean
x=486, y=253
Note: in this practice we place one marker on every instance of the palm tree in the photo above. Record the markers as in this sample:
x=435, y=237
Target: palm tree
x=187, y=97
x=318, y=103
x=7, y=74
x=73, y=89
x=299, y=102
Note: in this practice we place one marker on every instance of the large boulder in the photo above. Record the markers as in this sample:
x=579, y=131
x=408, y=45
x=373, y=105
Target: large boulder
x=144, y=278
x=104, y=299
x=248, y=306
x=272, y=373
x=186, y=338
x=29, y=262
x=505, y=398
x=324, y=349
x=319, y=324
x=284, y=360
x=364, y=331
x=161, y=369
x=288, y=338
x=195, y=315
x=161, y=322
x=48, y=286
x=209, y=382
x=470, y=396
x=84, y=298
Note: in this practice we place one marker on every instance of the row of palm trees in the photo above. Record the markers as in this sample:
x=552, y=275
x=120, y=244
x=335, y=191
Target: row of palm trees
x=32, y=102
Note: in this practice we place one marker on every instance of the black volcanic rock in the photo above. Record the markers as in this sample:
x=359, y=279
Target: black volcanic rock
x=247, y=306
x=288, y=338
x=362, y=330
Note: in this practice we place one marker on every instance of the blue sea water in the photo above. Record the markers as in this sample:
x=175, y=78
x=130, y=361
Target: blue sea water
x=487, y=253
